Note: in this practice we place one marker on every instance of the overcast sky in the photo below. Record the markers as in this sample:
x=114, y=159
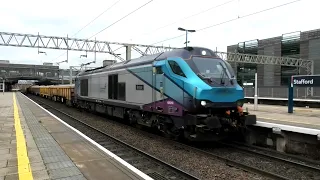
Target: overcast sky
x=62, y=17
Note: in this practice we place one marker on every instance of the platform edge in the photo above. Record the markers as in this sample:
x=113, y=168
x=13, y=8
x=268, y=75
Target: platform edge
x=297, y=129
x=117, y=158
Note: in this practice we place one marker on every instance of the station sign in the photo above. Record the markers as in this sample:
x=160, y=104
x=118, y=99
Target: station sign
x=306, y=81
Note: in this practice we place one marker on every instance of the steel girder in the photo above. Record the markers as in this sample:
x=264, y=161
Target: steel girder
x=261, y=59
x=64, y=43
x=273, y=60
x=74, y=44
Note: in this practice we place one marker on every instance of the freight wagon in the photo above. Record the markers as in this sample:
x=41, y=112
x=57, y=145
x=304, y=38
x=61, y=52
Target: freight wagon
x=60, y=93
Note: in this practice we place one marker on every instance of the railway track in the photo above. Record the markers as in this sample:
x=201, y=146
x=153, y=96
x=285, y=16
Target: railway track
x=240, y=157
x=266, y=164
x=150, y=165
x=298, y=161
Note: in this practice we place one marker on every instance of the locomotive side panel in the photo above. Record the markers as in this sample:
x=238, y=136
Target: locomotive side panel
x=103, y=86
x=138, y=91
x=129, y=85
x=94, y=86
x=174, y=90
x=166, y=96
x=155, y=98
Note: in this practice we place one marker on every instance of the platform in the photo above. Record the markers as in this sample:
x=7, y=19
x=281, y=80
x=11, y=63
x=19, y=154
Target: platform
x=36, y=145
x=301, y=117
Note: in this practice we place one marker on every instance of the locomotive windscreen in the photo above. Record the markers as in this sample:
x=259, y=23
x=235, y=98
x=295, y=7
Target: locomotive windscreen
x=211, y=68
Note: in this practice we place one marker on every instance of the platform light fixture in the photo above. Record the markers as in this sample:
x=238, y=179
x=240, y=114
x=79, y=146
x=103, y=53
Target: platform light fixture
x=83, y=56
x=58, y=63
x=86, y=55
x=115, y=56
x=186, y=30
x=40, y=52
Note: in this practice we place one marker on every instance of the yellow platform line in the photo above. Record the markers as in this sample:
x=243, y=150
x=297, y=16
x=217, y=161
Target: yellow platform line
x=24, y=168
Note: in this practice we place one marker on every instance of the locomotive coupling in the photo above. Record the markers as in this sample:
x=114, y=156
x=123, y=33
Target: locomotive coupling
x=212, y=122
x=250, y=119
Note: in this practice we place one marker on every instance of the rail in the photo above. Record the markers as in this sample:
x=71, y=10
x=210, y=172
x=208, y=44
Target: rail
x=259, y=159
x=141, y=160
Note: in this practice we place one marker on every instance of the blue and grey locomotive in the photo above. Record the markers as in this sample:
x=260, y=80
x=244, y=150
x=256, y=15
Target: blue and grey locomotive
x=188, y=92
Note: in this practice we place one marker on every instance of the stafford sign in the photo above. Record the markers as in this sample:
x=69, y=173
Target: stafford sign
x=303, y=81
x=306, y=81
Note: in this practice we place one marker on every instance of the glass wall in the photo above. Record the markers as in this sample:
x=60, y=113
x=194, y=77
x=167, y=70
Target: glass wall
x=246, y=74
x=290, y=47
x=248, y=47
x=246, y=71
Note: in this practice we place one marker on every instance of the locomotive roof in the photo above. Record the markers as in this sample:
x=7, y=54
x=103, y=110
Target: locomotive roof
x=184, y=53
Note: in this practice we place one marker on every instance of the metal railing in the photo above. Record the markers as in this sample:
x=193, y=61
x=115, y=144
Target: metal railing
x=281, y=92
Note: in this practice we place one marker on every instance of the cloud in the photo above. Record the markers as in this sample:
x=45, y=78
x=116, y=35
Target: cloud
x=59, y=18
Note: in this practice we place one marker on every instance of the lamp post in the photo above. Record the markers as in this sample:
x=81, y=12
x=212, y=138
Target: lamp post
x=186, y=30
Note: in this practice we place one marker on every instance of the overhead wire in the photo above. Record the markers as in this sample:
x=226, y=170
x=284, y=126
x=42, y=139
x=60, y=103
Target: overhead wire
x=97, y=17
x=118, y=20
x=185, y=18
x=231, y=20
x=90, y=23
x=122, y=18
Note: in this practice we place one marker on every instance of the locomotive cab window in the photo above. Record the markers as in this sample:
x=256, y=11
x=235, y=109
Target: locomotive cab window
x=176, y=68
x=159, y=70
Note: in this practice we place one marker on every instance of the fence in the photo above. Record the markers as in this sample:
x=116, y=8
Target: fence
x=281, y=92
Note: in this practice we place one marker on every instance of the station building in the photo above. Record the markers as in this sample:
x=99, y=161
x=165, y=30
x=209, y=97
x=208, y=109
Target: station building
x=273, y=79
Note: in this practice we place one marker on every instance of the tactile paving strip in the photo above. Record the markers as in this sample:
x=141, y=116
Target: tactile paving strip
x=58, y=164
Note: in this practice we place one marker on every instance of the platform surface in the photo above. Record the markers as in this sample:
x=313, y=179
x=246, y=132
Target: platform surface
x=301, y=117
x=35, y=145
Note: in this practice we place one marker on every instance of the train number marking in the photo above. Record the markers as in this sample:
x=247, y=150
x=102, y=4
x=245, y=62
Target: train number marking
x=170, y=102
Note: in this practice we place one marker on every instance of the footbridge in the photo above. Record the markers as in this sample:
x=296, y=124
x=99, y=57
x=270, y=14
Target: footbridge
x=47, y=73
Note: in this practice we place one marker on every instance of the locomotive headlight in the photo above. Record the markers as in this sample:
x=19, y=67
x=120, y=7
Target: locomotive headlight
x=203, y=103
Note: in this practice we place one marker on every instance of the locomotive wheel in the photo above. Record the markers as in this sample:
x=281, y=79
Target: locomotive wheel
x=176, y=134
x=168, y=131
x=132, y=120
x=165, y=132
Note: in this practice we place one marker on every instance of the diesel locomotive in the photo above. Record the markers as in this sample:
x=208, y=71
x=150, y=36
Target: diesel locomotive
x=188, y=92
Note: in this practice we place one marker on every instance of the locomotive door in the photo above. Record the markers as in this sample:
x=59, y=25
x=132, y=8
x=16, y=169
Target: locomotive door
x=158, y=91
